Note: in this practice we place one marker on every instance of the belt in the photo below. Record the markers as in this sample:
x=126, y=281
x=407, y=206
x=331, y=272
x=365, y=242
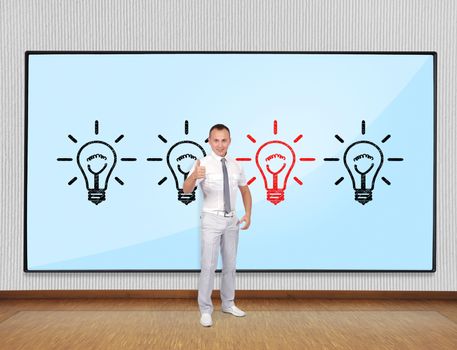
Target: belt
x=222, y=213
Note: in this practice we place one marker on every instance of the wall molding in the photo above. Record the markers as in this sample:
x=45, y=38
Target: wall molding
x=240, y=294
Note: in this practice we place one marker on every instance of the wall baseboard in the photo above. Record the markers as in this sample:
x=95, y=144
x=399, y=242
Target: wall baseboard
x=240, y=294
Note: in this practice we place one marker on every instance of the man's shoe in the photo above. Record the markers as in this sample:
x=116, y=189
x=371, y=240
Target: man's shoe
x=234, y=311
x=206, y=320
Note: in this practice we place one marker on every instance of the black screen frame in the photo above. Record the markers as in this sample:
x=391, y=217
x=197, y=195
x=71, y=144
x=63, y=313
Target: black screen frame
x=51, y=52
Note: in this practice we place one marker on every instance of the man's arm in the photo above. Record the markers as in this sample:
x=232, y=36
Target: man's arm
x=189, y=184
x=191, y=181
x=247, y=202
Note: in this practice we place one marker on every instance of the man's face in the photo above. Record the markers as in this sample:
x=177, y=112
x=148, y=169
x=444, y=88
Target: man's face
x=219, y=140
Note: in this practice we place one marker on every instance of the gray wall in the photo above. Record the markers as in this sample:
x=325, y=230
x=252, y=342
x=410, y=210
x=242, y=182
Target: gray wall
x=362, y=25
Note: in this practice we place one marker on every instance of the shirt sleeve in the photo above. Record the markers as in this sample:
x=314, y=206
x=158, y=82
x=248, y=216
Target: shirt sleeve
x=242, y=181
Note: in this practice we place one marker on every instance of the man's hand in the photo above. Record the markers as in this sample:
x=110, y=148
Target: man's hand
x=247, y=222
x=200, y=171
x=247, y=202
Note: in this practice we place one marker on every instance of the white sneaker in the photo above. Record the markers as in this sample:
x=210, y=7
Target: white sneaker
x=234, y=311
x=206, y=320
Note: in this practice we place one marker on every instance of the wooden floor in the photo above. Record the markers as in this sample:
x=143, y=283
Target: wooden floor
x=269, y=324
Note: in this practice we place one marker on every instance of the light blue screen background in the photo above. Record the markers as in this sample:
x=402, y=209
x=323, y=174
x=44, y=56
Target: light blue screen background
x=142, y=226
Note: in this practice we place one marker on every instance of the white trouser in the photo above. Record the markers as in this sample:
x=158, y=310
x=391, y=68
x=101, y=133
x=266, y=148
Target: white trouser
x=217, y=232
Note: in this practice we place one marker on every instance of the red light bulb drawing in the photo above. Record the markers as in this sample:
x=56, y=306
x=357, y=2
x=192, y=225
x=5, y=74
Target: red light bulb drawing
x=275, y=160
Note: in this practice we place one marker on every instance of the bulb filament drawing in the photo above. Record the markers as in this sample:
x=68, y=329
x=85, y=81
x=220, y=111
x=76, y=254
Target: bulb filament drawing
x=363, y=160
x=275, y=161
x=96, y=160
x=180, y=158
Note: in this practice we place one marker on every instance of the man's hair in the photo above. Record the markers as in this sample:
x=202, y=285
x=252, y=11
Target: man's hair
x=218, y=127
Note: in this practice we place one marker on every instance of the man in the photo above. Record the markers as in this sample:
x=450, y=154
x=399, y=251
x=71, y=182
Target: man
x=220, y=178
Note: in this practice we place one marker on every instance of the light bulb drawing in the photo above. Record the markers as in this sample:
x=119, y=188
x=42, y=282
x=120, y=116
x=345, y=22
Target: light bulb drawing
x=363, y=161
x=275, y=160
x=180, y=158
x=96, y=160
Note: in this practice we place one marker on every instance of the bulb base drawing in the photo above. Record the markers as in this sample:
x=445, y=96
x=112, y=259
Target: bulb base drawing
x=275, y=196
x=186, y=198
x=96, y=196
x=363, y=196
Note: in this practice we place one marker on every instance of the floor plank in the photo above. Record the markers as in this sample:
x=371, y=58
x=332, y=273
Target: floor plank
x=259, y=330
x=270, y=324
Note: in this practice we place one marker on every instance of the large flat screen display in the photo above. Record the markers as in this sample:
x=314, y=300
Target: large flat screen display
x=338, y=151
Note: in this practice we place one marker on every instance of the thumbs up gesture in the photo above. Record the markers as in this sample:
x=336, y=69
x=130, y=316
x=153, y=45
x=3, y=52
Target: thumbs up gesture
x=199, y=170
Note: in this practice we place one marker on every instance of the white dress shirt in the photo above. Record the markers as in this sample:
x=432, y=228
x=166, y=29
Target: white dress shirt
x=213, y=186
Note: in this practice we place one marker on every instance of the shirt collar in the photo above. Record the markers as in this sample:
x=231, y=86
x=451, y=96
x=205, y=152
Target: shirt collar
x=218, y=158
